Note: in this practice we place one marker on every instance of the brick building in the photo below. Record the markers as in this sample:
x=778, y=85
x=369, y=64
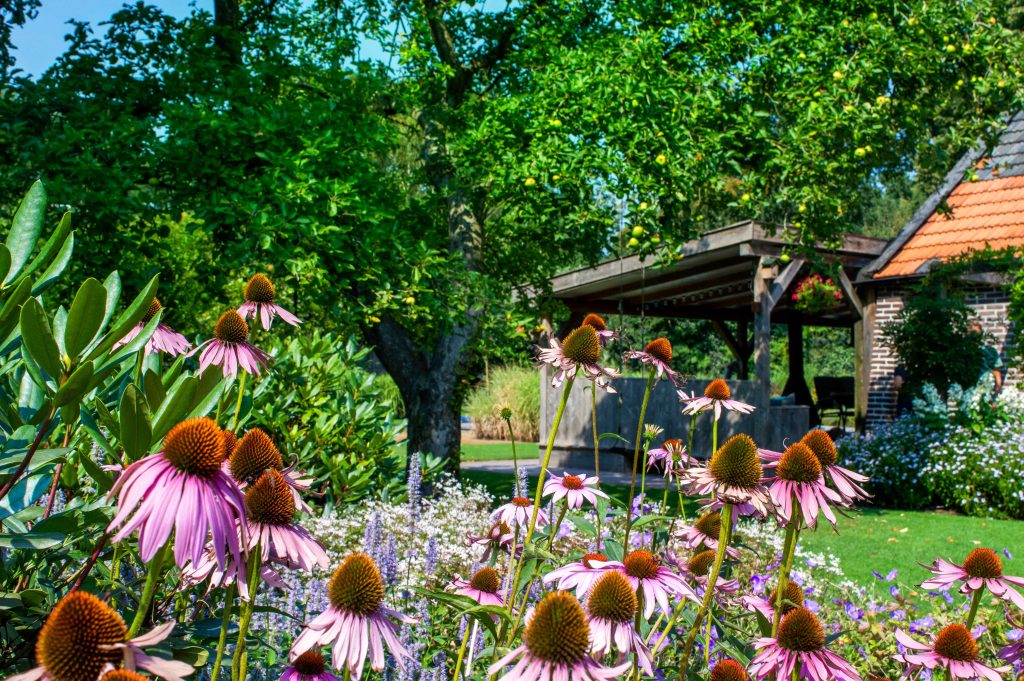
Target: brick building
x=981, y=201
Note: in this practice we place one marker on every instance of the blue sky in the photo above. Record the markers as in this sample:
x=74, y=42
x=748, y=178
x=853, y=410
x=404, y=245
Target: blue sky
x=41, y=41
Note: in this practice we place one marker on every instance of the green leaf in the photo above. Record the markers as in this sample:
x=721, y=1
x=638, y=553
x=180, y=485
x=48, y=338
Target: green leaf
x=31, y=541
x=55, y=242
x=180, y=400
x=128, y=319
x=75, y=388
x=56, y=266
x=25, y=228
x=104, y=481
x=38, y=339
x=26, y=492
x=5, y=262
x=41, y=458
x=12, y=307
x=193, y=655
x=112, y=285
x=154, y=388
x=85, y=316
x=136, y=425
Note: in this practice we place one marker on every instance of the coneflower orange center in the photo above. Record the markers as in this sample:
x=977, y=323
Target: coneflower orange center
x=641, y=564
x=310, y=663
x=596, y=322
x=123, y=675
x=255, y=453
x=572, y=482
x=660, y=349
x=500, y=528
x=231, y=328
x=983, y=563
x=259, y=289
x=270, y=501
x=800, y=631
x=736, y=463
x=356, y=586
x=151, y=311
x=956, y=643
x=521, y=502
x=558, y=633
x=718, y=390
x=728, y=670
x=799, y=464
x=700, y=563
x=792, y=597
x=69, y=643
x=591, y=557
x=195, y=446
x=486, y=579
x=709, y=524
x=674, y=446
x=582, y=346
x=230, y=440
x=822, y=446
x=612, y=597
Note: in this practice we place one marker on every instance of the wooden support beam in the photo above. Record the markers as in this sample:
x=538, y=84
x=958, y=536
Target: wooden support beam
x=736, y=346
x=784, y=280
x=762, y=336
x=851, y=293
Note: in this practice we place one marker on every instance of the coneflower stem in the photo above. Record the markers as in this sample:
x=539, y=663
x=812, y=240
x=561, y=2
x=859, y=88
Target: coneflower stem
x=515, y=459
x=788, y=551
x=240, y=660
x=152, y=579
x=225, y=623
x=471, y=648
x=238, y=404
x=709, y=591
x=462, y=652
x=558, y=523
x=636, y=455
x=597, y=456
x=643, y=469
x=540, y=486
x=975, y=602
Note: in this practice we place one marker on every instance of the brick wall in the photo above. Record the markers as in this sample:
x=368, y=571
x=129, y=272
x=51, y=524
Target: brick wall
x=990, y=304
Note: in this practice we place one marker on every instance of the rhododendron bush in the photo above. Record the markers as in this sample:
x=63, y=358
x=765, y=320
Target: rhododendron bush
x=152, y=530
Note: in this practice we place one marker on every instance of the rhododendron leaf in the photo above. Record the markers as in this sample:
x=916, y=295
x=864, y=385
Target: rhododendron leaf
x=136, y=430
x=180, y=399
x=25, y=228
x=31, y=541
x=129, y=318
x=39, y=340
x=77, y=385
x=583, y=525
x=26, y=492
x=56, y=241
x=85, y=317
x=56, y=266
x=9, y=313
x=5, y=262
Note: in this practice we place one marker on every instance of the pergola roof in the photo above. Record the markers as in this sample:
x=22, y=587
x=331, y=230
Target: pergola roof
x=716, y=279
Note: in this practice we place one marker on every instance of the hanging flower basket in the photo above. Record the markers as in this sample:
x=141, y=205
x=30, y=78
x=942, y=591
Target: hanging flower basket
x=816, y=294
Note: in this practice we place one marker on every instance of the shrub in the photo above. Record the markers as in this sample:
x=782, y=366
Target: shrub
x=509, y=387
x=335, y=417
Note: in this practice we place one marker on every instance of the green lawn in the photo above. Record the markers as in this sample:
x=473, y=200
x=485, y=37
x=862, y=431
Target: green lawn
x=498, y=451
x=873, y=539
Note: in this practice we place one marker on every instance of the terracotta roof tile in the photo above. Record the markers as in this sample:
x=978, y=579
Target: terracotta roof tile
x=989, y=211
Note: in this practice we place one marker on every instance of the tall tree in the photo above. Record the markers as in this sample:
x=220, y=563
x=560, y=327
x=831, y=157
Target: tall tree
x=403, y=167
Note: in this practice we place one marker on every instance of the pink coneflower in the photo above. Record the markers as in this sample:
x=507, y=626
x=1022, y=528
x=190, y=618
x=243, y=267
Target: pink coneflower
x=256, y=453
x=309, y=666
x=164, y=338
x=232, y=573
x=717, y=397
x=800, y=481
x=657, y=353
x=272, y=525
x=598, y=324
x=498, y=538
x=698, y=569
x=845, y=481
x=728, y=670
x=482, y=587
x=356, y=620
x=733, y=475
x=259, y=302
x=953, y=650
x=704, y=532
x=517, y=513
x=83, y=638
x=579, y=352
x=671, y=456
x=981, y=569
x=574, y=488
x=655, y=581
x=793, y=597
x=800, y=647
x=230, y=348
x=582, y=575
x=185, y=489
x=556, y=645
x=611, y=608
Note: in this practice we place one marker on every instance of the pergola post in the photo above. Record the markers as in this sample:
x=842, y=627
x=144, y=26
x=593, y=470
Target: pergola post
x=796, y=383
x=762, y=334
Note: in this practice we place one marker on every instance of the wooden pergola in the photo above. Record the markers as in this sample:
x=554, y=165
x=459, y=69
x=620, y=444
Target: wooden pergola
x=737, y=277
